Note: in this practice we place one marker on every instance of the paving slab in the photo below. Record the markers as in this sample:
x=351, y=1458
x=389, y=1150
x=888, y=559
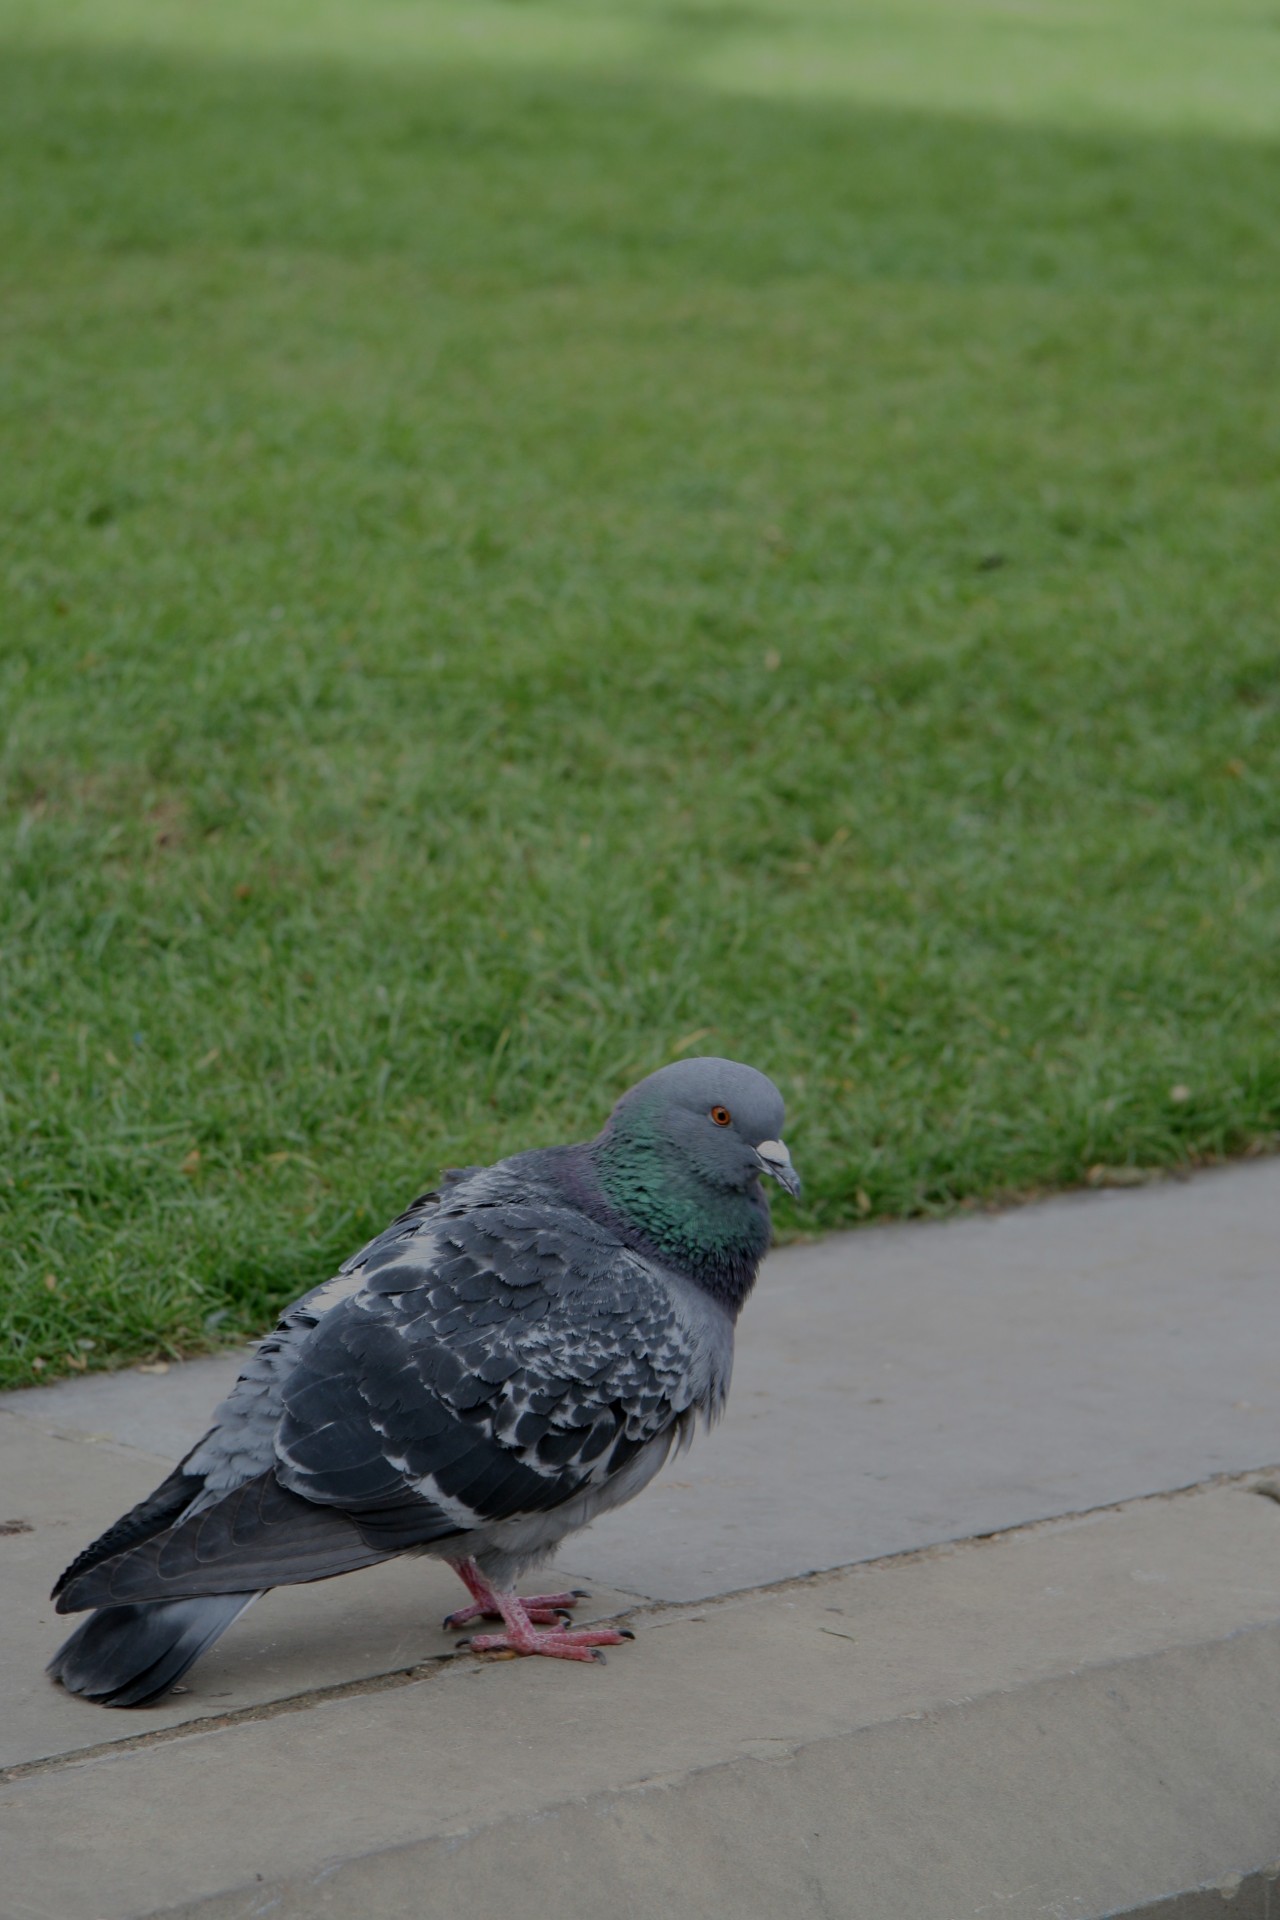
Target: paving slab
x=910, y=1384
x=1064, y=1801
x=847, y=1730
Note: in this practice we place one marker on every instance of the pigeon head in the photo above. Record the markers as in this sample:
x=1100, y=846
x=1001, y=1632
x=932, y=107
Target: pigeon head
x=721, y=1120
x=680, y=1160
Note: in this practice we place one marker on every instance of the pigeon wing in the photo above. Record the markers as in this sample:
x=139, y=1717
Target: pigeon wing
x=493, y=1374
x=260, y=1535
x=486, y=1364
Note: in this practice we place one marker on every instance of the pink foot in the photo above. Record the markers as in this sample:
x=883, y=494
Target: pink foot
x=535, y=1625
x=560, y=1643
x=543, y=1608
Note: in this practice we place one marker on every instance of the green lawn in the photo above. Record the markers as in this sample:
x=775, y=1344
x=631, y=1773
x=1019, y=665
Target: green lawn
x=537, y=538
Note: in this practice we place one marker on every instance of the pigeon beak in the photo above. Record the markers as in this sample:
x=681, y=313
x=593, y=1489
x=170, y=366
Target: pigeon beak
x=776, y=1161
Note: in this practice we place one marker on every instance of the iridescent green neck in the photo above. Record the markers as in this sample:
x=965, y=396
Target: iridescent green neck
x=717, y=1235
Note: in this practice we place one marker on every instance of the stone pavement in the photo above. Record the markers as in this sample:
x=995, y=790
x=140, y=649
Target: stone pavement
x=970, y=1606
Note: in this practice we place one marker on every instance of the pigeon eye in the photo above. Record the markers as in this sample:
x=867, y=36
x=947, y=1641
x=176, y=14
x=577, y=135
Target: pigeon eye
x=721, y=1116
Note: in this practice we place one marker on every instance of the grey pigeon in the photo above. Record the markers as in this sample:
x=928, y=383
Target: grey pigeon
x=517, y=1353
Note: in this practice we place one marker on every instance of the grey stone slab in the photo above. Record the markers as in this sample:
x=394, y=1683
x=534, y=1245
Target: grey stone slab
x=1083, y=1713
x=1068, y=1801
x=1234, y=1896
x=918, y=1383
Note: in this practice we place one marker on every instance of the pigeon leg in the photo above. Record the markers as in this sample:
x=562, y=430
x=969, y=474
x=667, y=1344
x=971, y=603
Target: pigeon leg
x=543, y=1608
x=559, y=1643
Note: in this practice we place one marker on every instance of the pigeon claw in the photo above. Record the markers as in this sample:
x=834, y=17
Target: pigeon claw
x=539, y=1623
x=557, y=1643
x=543, y=1608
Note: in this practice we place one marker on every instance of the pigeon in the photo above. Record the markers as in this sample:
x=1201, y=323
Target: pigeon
x=518, y=1352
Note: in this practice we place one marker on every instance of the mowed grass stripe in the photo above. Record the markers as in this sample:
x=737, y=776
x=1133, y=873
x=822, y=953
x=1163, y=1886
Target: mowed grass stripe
x=511, y=575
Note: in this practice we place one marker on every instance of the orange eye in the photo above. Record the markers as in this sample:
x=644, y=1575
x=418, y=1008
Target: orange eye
x=721, y=1116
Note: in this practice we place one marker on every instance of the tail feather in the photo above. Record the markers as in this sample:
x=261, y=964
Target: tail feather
x=129, y=1656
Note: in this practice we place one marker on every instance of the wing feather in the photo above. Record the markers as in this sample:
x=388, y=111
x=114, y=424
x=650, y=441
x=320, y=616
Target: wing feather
x=259, y=1536
x=502, y=1376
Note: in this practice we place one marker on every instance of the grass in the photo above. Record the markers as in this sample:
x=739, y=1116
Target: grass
x=534, y=540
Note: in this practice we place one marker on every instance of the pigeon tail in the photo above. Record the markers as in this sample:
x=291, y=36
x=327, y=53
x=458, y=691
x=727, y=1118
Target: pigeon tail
x=130, y=1656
